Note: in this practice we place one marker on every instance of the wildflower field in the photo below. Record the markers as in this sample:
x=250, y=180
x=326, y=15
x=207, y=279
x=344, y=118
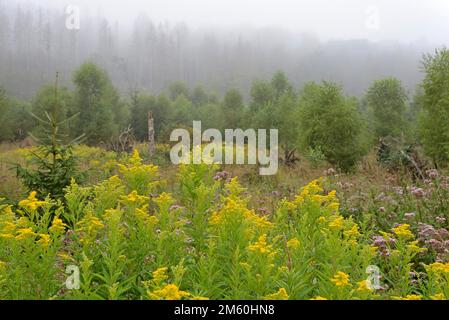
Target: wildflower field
x=227, y=151
x=138, y=231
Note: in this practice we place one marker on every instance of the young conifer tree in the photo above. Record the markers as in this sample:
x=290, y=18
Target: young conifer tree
x=53, y=163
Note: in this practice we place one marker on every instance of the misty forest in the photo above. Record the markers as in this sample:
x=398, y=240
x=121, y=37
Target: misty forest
x=358, y=209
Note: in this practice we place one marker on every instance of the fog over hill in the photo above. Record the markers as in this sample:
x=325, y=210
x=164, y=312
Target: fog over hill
x=220, y=45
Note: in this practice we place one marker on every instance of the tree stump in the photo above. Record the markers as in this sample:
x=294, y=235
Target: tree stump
x=151, y=141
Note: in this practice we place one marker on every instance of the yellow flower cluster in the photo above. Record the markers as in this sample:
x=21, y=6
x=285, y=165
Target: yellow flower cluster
x=403, y=232
x=199, y=298
x=169, y=292
x=439, y=268
x=44, y=239
x=135, y=166
x=134, y=199
x=353, y=232
x=341, y=279
x=318, y=298
x=89, y=226
x=363, y=286
x=312, y=192
x=337, y=223
x=7, y=225
x=160, y=275
x=164, y=201
x=293, y=243
x=414, y=248
x=236, y=209
x=25, y=233
x=438, y=296
x=112, y=217
x=312, y=188
x=280, y=295
x=143, y=215
x=408, y=297
x=261, y=246
x=57, y=226
x=32, y=203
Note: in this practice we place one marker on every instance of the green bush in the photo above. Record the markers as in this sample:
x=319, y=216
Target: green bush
x=330, y=121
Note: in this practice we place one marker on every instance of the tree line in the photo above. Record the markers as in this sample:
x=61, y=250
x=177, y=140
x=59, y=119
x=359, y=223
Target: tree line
x=318, y=118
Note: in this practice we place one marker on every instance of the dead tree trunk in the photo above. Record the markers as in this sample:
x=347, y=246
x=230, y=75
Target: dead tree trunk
x=151, y=141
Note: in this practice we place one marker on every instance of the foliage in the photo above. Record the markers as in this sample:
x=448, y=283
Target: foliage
x=386, y=100
x=315, y=156
x=53, y=163
x=435, y=101
x=14, y=117
x=233, y=108
x=130, y=246
x=44, y=102
x=330, y=121
x=101, y=114
x=277, y=111
x=178, y=89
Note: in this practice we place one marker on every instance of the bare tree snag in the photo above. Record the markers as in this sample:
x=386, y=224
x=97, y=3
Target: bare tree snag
x=151, y=142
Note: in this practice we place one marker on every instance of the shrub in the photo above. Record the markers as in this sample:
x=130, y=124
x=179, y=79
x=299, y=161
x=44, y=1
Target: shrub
x=330, y=121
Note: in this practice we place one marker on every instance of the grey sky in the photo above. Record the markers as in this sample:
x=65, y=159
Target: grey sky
x=404, y=20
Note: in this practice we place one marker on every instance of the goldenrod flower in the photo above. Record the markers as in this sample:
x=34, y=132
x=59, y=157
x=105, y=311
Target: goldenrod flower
x=65, y=256
x=318, y=198
x=160, y=275
x=235, y=209
x=287, y=204
x=44, y=240
x=261, y=245
x=164, y=201
x=341, y=279
x=7, y=212
x=321, y=219
x=135, y=166
x=199, y=298
x=113, y=216
x=403, y=231
x=299, y=199
x=169, y=292
x=8, y=226
x=438, y=268
x=409, y=297
x=280, y=295
x=318, y=298
x=134, y=198
x=363, y=286
x=312, y=188
x=143, y=215
x=57, y=226
x=32, y=203
x=334, y=206
x=386, y=235
x=293, y=243
x=337, y=223
x=90, y=223
x=353, y=232
x=331, y=196
x=438, y=296
x=25, y=233
x=283, y=269
x=414, y=248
